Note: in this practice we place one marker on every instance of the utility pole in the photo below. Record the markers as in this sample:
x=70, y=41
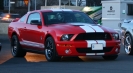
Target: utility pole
x=35, y=4
x=9, y=7
x=29, y=6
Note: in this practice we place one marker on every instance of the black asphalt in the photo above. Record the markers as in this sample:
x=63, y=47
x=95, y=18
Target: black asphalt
x=36, y=63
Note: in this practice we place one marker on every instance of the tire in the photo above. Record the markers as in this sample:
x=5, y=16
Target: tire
x=110, y=57
x=16, y=48
x=128, y=44
x=50, y=50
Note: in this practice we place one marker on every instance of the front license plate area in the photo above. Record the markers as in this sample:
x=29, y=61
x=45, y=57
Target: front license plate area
x=97, y=46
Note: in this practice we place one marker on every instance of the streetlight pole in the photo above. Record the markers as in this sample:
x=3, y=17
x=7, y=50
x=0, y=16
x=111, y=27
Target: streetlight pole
x=9, y=7
x=60, y=4
x=45, y=2
x=29, y=5
x=35, y=4
x=76, y=2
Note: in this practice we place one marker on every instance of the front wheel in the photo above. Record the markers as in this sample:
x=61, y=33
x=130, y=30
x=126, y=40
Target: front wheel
x=110, y=57
x=16, y=48
x=50, y=50
x=128, y=44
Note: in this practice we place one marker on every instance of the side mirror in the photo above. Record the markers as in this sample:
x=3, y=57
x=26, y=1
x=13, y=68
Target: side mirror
x=15, y=20
x=35, y=22
x=126, y=21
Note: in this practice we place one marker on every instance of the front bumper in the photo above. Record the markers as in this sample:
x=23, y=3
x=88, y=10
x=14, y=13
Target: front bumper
x=81, y=48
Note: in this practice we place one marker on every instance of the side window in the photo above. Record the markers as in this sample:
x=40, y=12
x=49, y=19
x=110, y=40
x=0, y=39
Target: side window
x=34, y=16
x=22, y=19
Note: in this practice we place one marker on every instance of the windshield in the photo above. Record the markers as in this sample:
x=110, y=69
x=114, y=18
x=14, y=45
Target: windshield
x=66, y=17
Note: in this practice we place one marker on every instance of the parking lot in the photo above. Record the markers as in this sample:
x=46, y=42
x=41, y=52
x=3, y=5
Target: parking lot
x=36, y=63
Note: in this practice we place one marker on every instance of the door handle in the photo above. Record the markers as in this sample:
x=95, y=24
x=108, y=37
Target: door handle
x=24, y=28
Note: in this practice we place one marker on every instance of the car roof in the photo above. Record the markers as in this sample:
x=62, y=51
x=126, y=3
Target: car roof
x=53, y=10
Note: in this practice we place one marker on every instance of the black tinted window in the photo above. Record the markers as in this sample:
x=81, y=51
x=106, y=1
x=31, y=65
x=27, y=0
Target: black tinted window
x=66, y=17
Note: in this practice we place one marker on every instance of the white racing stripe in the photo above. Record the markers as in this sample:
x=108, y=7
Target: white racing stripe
x=33, y=44
x=90, y=53
x=97, y=28
x=87, y=29
x=102, y=42
x=94, y=54
x=90, y=42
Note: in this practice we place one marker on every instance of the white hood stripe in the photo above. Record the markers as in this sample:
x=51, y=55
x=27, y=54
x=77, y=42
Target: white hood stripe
x=97, y=28
x=87, y=29
x=89, y=42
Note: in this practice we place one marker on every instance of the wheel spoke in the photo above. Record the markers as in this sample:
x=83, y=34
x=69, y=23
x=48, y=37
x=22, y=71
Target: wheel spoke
x=49, y=49
x=127, y=44
x=127, y=40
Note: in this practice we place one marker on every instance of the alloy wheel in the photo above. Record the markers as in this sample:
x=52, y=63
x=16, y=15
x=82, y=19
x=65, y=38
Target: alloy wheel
x=49, y=49
x=127, y=44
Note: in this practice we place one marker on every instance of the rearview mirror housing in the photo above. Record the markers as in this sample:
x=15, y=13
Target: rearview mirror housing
x=35, y=22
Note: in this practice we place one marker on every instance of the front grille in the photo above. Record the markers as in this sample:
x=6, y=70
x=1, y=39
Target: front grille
x=93, y=36
x=89, y=50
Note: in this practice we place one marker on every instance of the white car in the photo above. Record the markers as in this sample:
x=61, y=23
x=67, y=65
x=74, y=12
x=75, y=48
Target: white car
x=127, y=35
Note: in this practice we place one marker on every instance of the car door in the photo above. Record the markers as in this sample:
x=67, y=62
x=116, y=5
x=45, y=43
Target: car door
x=34, y=34
x=21, y=27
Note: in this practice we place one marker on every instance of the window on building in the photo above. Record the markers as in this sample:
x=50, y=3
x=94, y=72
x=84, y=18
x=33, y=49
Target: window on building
x=6, y=3
x=20, y=3
x=130, y=9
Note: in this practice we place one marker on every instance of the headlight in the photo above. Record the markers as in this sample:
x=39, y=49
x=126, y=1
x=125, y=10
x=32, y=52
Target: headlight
x=115, y=36
x=66, y=37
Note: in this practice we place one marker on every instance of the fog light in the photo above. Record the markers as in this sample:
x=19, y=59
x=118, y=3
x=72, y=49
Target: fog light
x=67, y=51
x=117, y=50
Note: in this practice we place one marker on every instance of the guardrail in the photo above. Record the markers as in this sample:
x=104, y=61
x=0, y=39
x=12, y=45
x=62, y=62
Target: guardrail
x=3, y=28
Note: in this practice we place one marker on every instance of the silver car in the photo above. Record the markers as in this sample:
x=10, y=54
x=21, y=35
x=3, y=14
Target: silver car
x=127, y=36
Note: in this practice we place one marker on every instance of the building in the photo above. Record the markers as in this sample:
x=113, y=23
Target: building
x=20, y=6
x=1, y=4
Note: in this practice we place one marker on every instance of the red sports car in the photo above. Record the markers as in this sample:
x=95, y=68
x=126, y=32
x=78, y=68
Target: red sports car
x=62, y=32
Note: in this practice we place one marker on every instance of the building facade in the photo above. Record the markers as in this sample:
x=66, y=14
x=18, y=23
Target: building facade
x=20, y=5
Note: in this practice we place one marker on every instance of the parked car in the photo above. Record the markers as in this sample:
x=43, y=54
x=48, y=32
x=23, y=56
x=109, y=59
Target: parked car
x=6, y=17
x=127, y=35
x=62, y=32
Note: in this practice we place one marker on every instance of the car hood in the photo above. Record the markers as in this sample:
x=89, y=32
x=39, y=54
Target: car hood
x=80, y=28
